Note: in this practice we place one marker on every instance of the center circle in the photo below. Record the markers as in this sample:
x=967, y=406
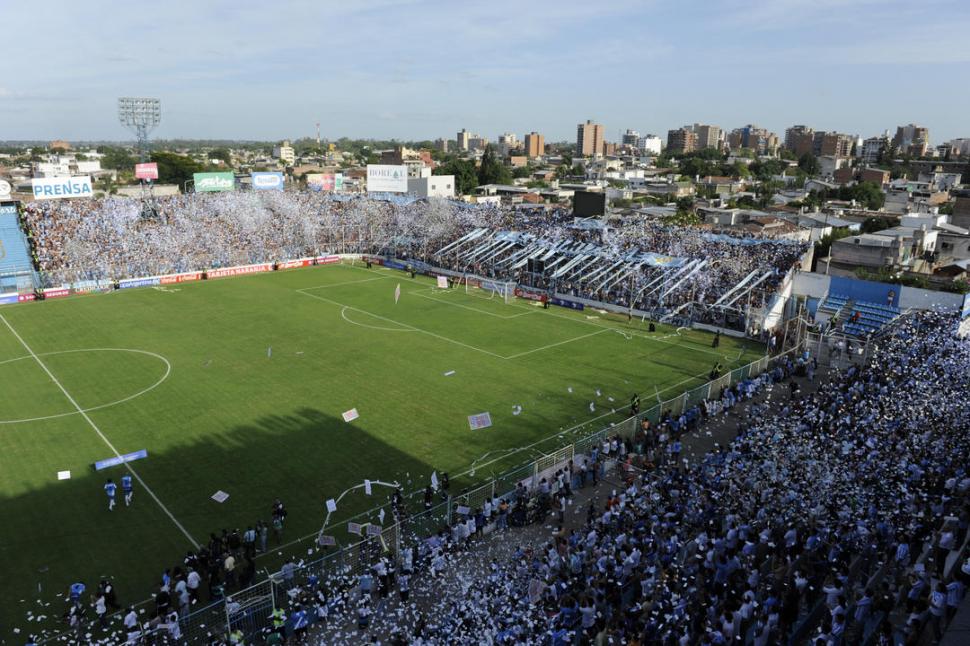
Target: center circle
x=156, y=384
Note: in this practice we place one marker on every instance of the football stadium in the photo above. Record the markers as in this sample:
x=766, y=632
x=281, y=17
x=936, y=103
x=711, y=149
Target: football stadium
x=424, y=323
x=271, y=415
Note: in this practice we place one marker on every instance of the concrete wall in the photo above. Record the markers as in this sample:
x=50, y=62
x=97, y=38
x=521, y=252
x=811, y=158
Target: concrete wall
x=924, y=299
x=809, y=284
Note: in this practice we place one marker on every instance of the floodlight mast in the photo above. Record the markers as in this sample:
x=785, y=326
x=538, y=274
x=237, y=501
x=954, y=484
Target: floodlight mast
x=140, y=115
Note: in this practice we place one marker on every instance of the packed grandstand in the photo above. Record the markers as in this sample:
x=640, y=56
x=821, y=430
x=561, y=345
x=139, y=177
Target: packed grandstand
x=651, y=267
x=835, y=509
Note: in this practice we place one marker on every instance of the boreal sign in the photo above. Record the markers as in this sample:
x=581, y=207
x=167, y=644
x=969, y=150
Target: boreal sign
x=383, y=178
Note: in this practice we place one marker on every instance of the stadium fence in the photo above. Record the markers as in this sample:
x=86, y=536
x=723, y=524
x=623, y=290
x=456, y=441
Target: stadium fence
x=239, y=610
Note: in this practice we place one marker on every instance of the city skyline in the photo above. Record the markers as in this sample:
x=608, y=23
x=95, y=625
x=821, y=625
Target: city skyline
x=415, y=70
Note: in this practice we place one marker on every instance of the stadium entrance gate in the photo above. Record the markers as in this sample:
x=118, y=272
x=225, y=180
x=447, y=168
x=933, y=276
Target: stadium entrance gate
x=251, y=610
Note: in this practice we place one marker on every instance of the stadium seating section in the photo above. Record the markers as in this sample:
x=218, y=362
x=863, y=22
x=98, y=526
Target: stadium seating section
x=872, y=316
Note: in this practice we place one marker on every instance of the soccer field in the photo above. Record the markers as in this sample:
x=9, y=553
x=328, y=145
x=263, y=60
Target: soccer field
x=239, y=385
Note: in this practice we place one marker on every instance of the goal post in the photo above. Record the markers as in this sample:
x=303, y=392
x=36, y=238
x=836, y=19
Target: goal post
x=494, y=288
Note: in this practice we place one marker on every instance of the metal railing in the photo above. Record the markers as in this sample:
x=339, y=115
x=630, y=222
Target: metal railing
x=249, y=610
x=354, y=560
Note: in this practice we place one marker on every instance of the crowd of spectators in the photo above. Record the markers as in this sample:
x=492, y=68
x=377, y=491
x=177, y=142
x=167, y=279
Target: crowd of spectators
x=834, y=517
x=110, y=239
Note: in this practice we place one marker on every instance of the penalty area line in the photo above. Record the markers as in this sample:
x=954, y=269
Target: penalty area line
x=97, y=430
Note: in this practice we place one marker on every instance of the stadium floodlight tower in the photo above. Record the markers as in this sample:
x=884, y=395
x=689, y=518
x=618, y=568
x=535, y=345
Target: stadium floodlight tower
x=141, y=115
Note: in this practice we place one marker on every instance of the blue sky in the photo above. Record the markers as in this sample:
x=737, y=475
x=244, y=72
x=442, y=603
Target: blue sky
x=415, y=69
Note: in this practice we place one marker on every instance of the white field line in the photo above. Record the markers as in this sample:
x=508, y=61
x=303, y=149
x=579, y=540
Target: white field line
x=168, y=371
x=346, y=282
x=469, y=307
x=553, y=345
x=405, y=325
x=343, y=315
x=98, y=431
x=533, y=310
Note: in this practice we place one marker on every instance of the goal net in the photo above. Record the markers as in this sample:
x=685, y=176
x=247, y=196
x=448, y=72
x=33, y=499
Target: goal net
x=489, y=288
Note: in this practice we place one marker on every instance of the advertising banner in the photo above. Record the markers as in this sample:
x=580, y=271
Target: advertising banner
x=561, y=302
x=146, y=171
x=174, y=279
x=314, y=181
x=338, y=181
x=214, y=182
x=90, y=286
x=7, y=299
x=529, y=294
x=327, y=260
x=267, y=181
x=139, y=282
x=120, y=459
x=294, y=264
x=24, y=298
x=5, y=189
x=242, y=270
x=56, y=292
x=965, y=310
x=374, y=260
x=382, y=178
x=59, y=188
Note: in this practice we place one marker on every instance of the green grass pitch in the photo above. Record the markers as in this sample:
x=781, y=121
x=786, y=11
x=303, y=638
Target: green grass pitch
x=239, y=385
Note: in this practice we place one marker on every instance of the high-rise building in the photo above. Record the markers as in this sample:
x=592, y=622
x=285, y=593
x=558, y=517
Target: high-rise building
x=508, y=139
x=285, y=153
x=707, y=136
x=441, y=145
x=800, y=140
x=651, y=144
x=462, y=140
x=681, y=140
x=477, y=142
x=960, y=147
x=589, y=139
x=507, y=142
x=535, y=145
x=631, y=138
x=758, y=139
x=836, y=144
x=912, y=140
x=873, y=148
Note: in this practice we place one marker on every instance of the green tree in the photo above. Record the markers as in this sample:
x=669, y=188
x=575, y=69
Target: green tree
x=766, y=190
x=765, y=169
x=492, y=170
x=869, y=194
x=823, y=246
x=466, y=179
x=117, y=158
x=809, y=164
x=174, y=168
x=221, y=154
x=871, y=225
